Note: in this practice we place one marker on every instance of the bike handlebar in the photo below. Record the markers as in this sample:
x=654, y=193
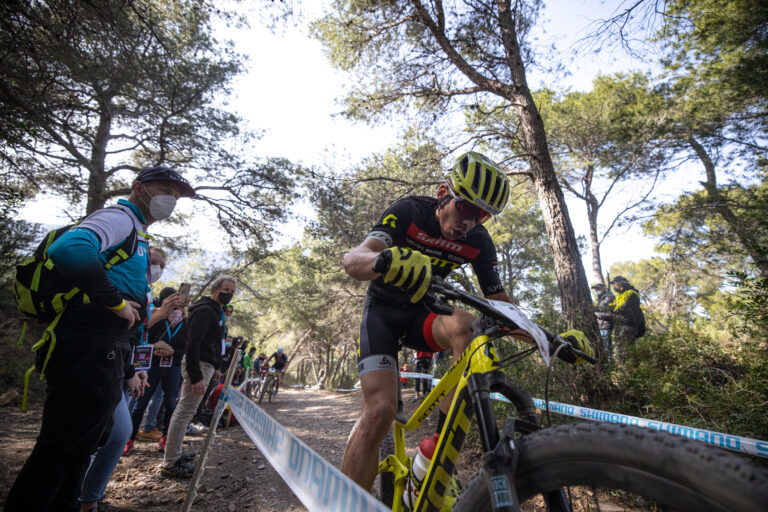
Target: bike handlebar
x=439, y=291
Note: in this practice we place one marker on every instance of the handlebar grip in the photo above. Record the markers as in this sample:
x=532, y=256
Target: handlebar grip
x=383, y=261
x=569, y=353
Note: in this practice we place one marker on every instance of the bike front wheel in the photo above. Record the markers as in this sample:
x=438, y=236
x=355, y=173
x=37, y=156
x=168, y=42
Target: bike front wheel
x=630, y=467
x=264, y=387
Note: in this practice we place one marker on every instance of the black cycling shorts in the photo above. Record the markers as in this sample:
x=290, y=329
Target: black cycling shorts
x=385, y=328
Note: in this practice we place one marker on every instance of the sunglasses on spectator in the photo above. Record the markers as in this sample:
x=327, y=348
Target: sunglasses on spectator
x=469, y=210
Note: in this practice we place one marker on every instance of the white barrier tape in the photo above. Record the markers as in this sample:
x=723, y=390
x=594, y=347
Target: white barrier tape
x=728, y=441
x=315, y=481
x=246, y=381
x=412, y=375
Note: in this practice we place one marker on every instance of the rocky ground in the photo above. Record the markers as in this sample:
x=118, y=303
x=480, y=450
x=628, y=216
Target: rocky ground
x=237, y=476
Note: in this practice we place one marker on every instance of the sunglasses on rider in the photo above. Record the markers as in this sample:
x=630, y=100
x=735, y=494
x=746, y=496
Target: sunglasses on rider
x=468, y=210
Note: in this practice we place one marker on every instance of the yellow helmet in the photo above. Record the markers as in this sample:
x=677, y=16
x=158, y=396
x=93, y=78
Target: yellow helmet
x=479, y=180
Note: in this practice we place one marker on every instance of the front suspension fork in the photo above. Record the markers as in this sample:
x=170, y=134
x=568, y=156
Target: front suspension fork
x=500, y=452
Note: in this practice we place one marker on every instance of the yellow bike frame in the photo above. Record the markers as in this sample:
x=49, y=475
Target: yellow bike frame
x=479, y=357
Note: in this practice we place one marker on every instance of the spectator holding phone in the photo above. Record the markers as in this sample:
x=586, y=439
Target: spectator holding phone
x=168, y=336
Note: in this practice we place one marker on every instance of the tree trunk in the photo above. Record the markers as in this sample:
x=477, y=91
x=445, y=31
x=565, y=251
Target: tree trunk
x=743, y=233
x=594, y=240
x=575, y=298
x=97, y=179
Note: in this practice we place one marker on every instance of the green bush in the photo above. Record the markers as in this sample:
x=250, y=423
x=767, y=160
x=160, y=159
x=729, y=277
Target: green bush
x=682, y=375
x=687, y=377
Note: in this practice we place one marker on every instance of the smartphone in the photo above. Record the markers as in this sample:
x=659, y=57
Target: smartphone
x=184, y=292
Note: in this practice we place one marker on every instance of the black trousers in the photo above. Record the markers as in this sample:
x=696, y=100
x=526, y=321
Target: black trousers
x=84, y=382
x=423, y=365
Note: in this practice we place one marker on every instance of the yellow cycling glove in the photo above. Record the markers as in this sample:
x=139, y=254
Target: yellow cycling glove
x=409, y=269
x=579, y=341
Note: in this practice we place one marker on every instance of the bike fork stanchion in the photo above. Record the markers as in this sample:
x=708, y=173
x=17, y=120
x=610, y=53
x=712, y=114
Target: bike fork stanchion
x=500, y=459
x=192, y=491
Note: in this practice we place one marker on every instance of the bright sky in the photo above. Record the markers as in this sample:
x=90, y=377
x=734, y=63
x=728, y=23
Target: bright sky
x=291, y=93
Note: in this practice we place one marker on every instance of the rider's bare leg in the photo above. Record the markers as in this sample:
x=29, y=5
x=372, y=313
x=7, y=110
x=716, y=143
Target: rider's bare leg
x=452, y=332
x=361, y=455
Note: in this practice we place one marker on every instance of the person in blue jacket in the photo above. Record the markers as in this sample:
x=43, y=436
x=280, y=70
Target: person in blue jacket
x=86, y=369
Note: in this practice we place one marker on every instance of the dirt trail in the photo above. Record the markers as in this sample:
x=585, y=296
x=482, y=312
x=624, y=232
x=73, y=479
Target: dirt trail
x=237, y=476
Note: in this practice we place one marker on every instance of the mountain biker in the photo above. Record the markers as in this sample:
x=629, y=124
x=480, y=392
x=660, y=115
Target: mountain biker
x=417, y=237
x=281, y=362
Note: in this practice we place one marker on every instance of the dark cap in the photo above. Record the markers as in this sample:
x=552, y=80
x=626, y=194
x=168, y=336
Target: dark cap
x=619, y=279
x=162, y=173
x=599, y=286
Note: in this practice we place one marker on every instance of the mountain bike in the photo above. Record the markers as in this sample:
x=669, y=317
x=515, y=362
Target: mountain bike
x=269, y=385
x=560, y=469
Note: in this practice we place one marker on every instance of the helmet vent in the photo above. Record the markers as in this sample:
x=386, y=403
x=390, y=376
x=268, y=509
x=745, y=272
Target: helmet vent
x=504, y=195
x=476, y=177
x=496, y=188
x=487, y=182
x=463, y=192
x=464, y=166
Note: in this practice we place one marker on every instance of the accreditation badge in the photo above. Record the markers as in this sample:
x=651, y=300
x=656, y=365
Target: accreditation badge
x=142, y=357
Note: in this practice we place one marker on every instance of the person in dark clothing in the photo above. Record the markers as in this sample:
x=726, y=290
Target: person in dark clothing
x=201, y=363
x=604, y=314
x=281, y=362
x=169, y=336
x=423, y=365
x=92, y=339
x=628, y=318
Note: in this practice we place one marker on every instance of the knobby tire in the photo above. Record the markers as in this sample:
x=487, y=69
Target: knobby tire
x=264, y=388
x=673, y=471
x=386, y=481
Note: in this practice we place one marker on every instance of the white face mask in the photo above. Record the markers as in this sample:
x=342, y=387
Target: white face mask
x=155, y=271
x=161, y=206
x=175, y=317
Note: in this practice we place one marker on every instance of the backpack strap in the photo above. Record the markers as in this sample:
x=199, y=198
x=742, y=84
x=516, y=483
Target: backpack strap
x=49, y=335
x=124, y=251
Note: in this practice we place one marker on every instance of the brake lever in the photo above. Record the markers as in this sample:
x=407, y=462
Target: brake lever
x=436, y=304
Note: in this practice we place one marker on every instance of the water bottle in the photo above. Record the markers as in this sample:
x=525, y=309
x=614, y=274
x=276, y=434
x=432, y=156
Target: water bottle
x=419, y=469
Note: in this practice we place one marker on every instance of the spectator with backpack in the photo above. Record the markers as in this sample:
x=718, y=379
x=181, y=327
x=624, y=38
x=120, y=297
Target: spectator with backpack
x=89, y=341
x=628, y=318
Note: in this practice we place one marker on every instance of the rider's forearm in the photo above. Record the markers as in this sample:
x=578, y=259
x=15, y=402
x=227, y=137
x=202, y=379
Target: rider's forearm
x=358, y=263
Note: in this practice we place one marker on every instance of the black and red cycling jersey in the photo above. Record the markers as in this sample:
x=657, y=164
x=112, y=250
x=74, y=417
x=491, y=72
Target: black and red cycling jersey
x=280, y=360
x=411, y=222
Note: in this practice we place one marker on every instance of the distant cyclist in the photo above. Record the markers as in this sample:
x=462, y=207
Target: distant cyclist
x=281, y=362
x=415, y=238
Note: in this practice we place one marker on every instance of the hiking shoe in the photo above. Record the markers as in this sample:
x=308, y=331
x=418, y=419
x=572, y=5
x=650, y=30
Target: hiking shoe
x=161, y=443
x=196, y=429
x=188, y=456
x=152, y=436
x=178, y=470
x=128, y=448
